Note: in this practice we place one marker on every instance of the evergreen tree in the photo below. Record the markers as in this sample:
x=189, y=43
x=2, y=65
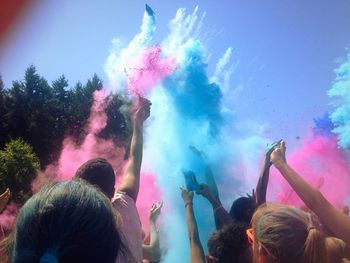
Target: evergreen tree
x=18, y=165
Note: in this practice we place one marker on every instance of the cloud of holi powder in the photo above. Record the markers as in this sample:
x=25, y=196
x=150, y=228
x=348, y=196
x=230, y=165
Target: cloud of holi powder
x=74, y=155
x=120, y=59
x=8, y=218
x=324, y=126
x=318, y=159
x=148, y=70
x=322, y=164
x=192, y=108
x=186, y=110
x=340, y=93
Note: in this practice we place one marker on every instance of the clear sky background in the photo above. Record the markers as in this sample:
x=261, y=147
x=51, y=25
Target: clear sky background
x=286, y=50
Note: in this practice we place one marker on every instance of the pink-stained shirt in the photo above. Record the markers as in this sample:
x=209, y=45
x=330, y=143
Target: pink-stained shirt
x=130, y=225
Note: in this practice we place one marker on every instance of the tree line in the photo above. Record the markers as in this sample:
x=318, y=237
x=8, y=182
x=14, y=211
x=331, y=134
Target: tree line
x=35, y=117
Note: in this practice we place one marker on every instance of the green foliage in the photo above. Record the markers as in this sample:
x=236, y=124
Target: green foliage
x=44, y=114
x=18, y=165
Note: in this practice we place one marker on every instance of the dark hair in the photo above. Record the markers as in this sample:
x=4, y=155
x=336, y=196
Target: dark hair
x=98, y=172
x=67, y=222
x=230, y=245
x=242, y=209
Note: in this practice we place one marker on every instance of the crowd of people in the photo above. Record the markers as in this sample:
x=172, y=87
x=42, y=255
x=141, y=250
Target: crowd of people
x=87, y=220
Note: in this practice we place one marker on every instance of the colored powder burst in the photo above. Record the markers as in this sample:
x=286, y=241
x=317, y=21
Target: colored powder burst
x=73, y=155
x=121, y=59
x=340, y=91
x=186, y=110
x=323, y=165
x=8, y=218
x=323, y=126
x=149, y=193
x=148, y=71
x=189, y=107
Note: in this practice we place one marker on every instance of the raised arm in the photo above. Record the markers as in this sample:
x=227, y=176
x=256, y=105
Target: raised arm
x=261, y=187
x=334, y=219
x=196, y=249
x=209, y=176
x=221, y=216
x=152, y=251
x=131, y=180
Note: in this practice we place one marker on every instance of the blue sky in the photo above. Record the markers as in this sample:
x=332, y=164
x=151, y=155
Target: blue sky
x=287, y=50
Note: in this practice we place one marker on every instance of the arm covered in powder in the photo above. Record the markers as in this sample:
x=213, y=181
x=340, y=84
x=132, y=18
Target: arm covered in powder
x=331, y=217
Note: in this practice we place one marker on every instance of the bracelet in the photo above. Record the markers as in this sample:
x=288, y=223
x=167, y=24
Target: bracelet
x=217, y=208
x=188, y=203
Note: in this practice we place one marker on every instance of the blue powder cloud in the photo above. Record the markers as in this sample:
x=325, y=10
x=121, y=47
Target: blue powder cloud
x=340, y=93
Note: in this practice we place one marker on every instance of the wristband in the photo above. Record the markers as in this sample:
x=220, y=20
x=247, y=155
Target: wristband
x=188, y=203
x=217, y=208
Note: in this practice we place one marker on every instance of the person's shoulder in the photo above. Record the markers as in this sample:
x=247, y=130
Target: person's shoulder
x=122, y=199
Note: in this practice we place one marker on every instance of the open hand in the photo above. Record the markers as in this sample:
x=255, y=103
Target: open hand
x=155, y=211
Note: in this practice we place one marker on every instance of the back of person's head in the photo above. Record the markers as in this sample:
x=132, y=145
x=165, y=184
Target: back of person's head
x=336, y=249
x=67, y=222
x=98, y=172
x=286, y=234
x=230, y=245
x=242, y=209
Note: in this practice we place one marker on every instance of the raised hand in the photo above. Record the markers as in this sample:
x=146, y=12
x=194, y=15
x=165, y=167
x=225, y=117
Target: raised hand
x=186, y=195
x=278, y=155
x=270, y=150
x=205, y=191
x=155, y=211
x=143, y=110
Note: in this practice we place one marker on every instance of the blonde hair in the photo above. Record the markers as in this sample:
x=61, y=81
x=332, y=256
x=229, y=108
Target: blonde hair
x=286, y=234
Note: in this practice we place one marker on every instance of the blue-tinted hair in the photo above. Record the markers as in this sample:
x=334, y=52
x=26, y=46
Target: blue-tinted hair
x=68, y=221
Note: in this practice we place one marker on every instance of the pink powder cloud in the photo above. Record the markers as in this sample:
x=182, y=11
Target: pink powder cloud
x=322, y=164
x=74, y=155
x=148, y=70
x=149, y=193
x=8, y=218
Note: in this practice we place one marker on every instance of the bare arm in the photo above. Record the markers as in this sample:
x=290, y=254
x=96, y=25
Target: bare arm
x=196, y=249
x=261, y=187
x=131, y=180
x=334, y=219
x=152, y=251
x=220, y=214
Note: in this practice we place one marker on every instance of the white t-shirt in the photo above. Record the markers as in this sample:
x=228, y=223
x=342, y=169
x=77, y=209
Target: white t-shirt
x=130, y=225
